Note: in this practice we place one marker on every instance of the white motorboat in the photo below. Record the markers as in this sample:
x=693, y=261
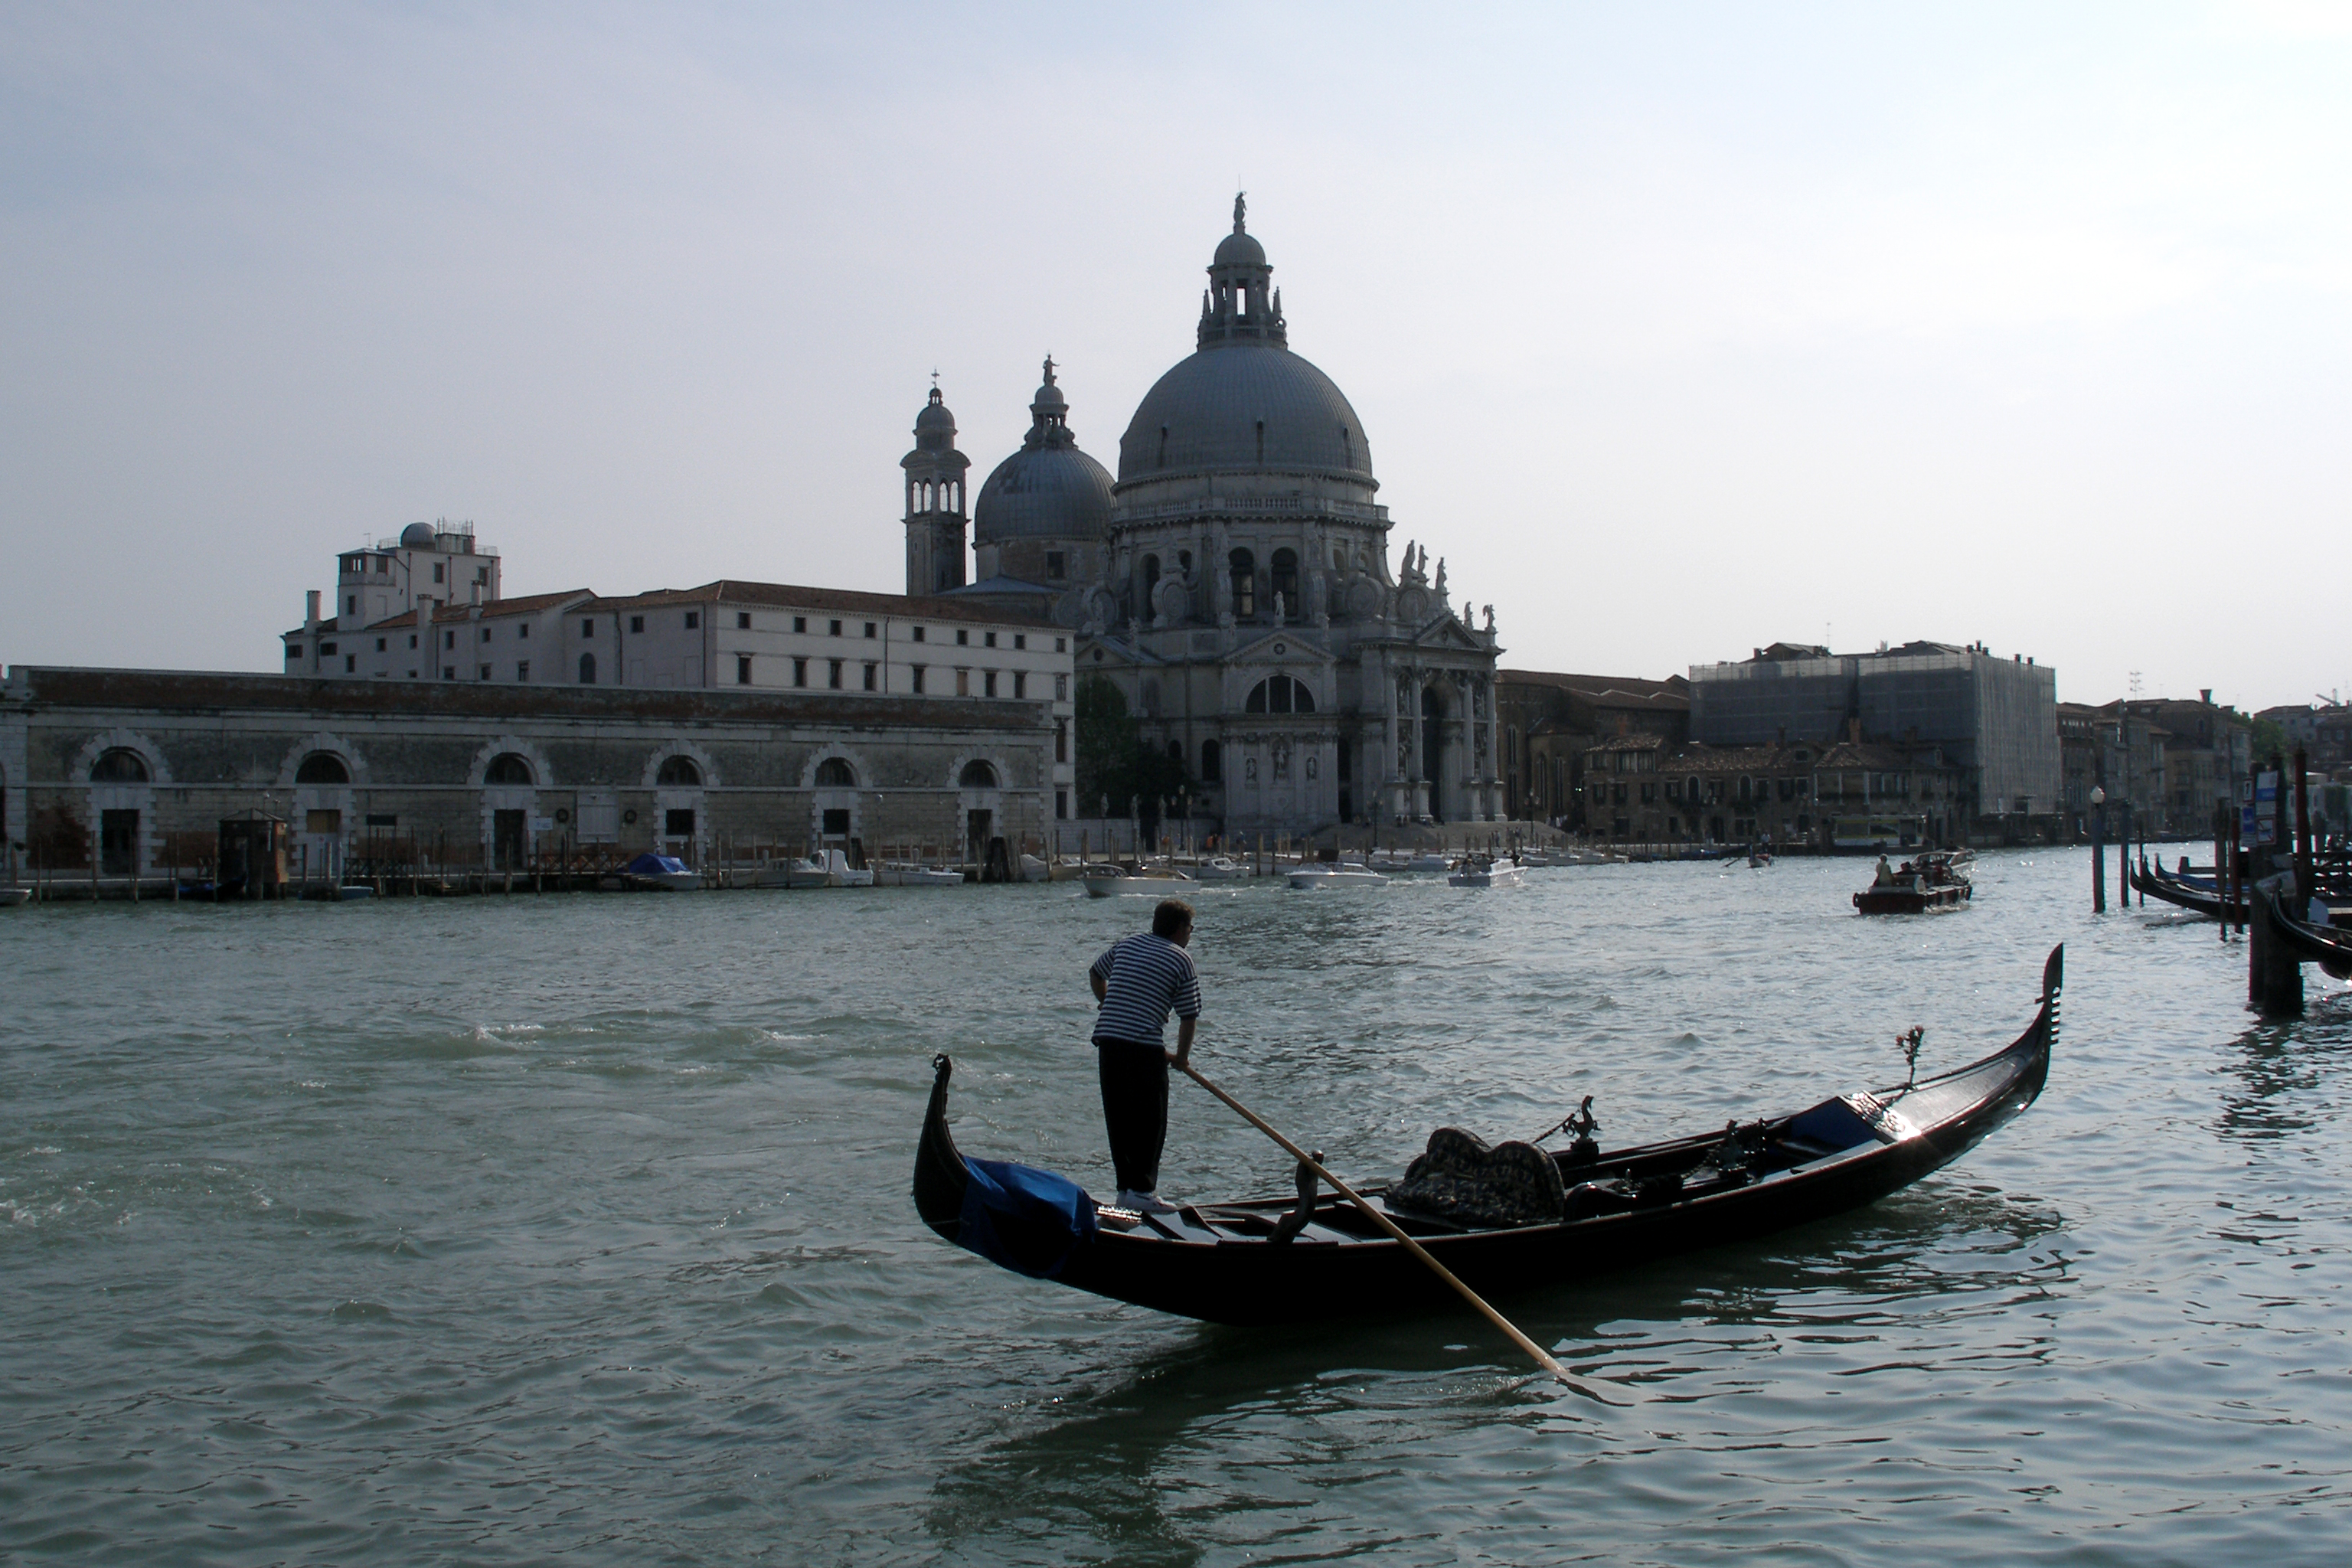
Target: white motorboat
x=908, y=873
x=1220, y=868
x=1487, y=871
x=11, y=896
x=1033, y=869
x=827, y=868
x=1308, y=878
x=1113, y=881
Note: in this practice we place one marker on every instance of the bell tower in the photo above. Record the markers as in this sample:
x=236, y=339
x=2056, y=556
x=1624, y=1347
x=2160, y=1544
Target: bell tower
x=935, y=501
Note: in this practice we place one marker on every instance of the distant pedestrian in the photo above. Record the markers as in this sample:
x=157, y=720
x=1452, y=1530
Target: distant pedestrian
x=1138, y=981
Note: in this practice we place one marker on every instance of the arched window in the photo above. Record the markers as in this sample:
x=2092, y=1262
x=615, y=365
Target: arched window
x=1280, y=694
x=1176, y=754
x=1286, y=582
x=119, y=765
x=1212, y=763
x=1147, y=579
x=679, y=773
x=587, y=669
x=835, y=773
x=509, y=768
x=322, y=768
x=1243, y=566
x=976, y=774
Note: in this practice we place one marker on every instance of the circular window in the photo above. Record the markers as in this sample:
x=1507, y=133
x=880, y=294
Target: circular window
x=562, y=814
x=1097, y=656
x=630, y=815
x=1279, y=648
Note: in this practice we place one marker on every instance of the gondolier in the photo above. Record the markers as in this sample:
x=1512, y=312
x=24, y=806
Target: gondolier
x=1138, y=981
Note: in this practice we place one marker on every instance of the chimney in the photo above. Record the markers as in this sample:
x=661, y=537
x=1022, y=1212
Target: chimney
x=2205, y=695
x=1854, y=730
x=310, y=619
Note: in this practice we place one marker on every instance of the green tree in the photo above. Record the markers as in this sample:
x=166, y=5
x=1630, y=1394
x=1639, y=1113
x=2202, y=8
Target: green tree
x=1113, y=762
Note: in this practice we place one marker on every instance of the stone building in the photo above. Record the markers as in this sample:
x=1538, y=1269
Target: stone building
x=1549, y=722
x=1234, y=582
x=2168, y=762
x=1995, y=719
x=135, y=769
x=1851, y=794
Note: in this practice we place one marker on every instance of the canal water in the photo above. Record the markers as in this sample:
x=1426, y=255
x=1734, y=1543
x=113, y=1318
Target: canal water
x=500, y=1230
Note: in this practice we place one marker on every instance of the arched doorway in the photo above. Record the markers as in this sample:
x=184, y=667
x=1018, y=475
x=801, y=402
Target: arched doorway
x=1432, y=750
x=321, y=816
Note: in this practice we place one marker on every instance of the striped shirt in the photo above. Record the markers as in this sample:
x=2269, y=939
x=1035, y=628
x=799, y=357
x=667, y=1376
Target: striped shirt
x=1143, y=978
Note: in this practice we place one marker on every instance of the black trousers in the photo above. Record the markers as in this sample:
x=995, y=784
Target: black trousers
x=1135, y=1110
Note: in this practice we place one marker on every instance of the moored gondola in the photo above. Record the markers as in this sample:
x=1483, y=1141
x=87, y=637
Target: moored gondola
x=1551, y=1217
x=2328, y=945
x=2188, y=894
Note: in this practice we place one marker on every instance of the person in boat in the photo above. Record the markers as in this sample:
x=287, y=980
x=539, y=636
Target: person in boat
x=1885, y=877
x=1138, y=982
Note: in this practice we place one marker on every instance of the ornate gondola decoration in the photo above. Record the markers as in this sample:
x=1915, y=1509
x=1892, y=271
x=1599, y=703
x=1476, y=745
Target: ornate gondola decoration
x=1278, y=1259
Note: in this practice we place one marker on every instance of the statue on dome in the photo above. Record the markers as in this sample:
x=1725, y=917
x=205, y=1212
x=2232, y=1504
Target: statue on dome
x=1238, y=204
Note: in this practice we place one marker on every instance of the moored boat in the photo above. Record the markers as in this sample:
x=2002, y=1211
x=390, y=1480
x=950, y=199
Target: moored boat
x=2187, y=892
x=651, y=873
x=11, y=896
x=1307, y=878
x=1928, y=884
x=1117, y=881
x=2311, y=938
x=1513, y=1218
x=826, y=868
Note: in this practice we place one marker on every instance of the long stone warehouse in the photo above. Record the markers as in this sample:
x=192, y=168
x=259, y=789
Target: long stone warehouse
x=137, y=768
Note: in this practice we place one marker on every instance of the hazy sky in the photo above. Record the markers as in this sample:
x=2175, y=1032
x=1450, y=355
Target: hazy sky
x=1675, y=330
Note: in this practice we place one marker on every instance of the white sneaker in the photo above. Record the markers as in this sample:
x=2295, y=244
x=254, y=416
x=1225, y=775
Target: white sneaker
x=1144, y=1203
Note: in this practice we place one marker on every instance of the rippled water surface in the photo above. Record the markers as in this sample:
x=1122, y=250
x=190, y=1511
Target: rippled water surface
x=493, y=1230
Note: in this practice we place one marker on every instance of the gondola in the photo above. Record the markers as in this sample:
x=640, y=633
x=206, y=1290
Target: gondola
x=2154, y=882
x=2310, y=942
x=1314, y=1256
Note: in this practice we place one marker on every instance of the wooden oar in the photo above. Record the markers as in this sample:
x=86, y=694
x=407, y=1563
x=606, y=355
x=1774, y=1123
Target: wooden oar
x=1536, y=1352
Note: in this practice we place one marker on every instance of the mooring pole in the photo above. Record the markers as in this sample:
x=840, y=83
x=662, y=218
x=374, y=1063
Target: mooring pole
x=2098, y=850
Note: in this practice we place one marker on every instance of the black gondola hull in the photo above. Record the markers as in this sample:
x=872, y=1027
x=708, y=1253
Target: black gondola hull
x=2156, y=884
x=1249, y=1281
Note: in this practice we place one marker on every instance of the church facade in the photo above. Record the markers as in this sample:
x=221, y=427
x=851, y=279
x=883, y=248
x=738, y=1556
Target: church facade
x=1234, y=580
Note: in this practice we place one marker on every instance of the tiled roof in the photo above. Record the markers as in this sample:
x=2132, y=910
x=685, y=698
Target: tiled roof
x=527, y=604
x=1606, y=690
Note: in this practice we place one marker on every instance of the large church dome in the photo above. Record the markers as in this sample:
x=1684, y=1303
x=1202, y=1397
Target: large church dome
x=1244, y=401
x=1047, y=490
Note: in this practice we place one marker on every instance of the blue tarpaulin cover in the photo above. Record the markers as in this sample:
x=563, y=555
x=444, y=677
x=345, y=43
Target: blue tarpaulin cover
x=1027, y=1219
x=651, y=865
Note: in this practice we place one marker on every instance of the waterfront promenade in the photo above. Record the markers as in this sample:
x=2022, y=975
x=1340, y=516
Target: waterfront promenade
x=498, y=1229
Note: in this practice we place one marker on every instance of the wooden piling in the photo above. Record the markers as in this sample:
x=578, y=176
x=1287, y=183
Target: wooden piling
x=2274, y=974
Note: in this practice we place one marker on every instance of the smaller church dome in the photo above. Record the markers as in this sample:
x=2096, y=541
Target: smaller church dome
x=1047, y=490
x=935, y=428
x=418, y=536
x=1240, y=249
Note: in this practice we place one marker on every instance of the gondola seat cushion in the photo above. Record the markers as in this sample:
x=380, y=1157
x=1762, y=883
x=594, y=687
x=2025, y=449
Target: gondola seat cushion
x=1461, y=1178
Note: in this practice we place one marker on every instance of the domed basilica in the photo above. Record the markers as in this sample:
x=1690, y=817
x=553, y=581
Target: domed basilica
x=1234, y=580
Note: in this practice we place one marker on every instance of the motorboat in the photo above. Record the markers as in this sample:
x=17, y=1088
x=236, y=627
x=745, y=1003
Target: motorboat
x=651, y=873
x=1486, y=871
x=11, y=896
x=1931, y=883
x=908, y=874
x=1220, y=868
x=1033, y=869
x=1507, y=1217
x=1117, y=881
x=1308, y=878
x=826, y=868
